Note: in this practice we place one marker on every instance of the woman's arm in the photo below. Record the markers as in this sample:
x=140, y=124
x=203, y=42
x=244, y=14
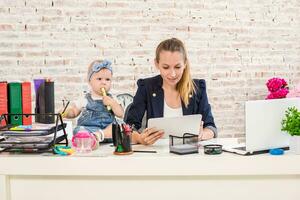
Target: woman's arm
x=135, y=115
x=205, y=133
x=204, y=109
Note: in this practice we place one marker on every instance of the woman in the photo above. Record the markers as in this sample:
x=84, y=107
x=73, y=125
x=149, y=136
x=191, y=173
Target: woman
x=172, y=93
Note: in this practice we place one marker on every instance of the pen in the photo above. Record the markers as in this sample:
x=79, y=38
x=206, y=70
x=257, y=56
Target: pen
x=64, y=110
x=138, y=151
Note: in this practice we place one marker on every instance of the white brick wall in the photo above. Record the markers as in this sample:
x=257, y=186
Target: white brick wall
x=235, y=45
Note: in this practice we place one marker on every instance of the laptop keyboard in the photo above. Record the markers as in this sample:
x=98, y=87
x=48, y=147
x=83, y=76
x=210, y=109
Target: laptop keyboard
x=241, y=148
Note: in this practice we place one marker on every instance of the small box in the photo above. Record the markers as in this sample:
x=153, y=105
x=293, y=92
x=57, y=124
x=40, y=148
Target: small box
x=187, y=144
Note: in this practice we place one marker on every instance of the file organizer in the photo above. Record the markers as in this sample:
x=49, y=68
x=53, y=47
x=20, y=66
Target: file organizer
x=187, y=144
x=39, y=138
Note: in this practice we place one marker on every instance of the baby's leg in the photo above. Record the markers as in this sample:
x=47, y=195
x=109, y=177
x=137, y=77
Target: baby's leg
x=96, y=146
x=104, y=135
x=108, y=131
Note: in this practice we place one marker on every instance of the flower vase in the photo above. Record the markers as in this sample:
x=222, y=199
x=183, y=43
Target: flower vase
x=295, y=144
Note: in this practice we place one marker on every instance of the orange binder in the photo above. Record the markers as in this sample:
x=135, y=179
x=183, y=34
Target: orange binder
x=26, y=103
x=3, y=101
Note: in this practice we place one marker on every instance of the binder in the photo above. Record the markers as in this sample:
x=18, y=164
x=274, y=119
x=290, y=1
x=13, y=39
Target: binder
x=49, y=102
x=26, y=103
x=46, y=102
x=3, y=102
x=15, y=103
x=37, y=85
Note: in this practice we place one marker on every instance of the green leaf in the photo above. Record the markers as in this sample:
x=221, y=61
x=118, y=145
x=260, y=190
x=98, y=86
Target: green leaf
x=291, y=122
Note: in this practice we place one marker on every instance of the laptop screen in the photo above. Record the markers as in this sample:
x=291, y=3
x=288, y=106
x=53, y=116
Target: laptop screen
x=263, y=123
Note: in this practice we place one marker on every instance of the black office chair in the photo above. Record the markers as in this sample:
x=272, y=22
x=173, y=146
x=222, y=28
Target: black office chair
x=125, y=99
x=144, y=120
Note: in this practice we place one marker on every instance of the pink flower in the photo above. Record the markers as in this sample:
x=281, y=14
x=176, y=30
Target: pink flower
x=277, y=87
x=281, y=93
x=127, y=129
x=275, y=84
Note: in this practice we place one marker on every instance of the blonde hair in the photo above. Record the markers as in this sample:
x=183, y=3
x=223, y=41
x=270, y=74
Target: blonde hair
x=186, y=85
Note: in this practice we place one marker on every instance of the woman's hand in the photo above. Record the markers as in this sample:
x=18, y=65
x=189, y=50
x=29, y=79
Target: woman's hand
x=150, y=136
x=205, y=133
x=201, y=130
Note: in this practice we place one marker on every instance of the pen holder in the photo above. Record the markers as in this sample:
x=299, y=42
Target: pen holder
x=187, y=144
x=121, y=135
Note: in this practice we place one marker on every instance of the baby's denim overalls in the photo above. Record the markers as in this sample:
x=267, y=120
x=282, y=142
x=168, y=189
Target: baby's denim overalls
x=94, y=116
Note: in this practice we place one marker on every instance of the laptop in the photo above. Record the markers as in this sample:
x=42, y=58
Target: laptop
x=263, y=126
x=177, y=125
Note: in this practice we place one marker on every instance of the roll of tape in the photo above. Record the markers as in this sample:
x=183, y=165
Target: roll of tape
x=213, y=149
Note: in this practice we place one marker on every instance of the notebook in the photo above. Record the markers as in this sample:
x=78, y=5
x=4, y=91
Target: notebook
x=263, y=126
x=177, y=125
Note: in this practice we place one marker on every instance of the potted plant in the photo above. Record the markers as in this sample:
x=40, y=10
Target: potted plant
x=291, y=124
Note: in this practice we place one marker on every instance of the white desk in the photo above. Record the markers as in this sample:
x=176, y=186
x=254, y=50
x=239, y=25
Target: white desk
x=102, y=175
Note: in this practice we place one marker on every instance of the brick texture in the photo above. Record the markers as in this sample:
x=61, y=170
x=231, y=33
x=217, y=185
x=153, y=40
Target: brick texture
x=235, y=45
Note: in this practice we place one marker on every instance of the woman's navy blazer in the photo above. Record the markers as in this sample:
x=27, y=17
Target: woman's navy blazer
x=150, y=97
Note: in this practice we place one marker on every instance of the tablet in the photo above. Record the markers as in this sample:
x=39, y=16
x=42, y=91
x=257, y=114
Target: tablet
x=177, y=125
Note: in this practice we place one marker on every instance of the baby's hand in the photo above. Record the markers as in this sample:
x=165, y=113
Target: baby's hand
x=63, y=113
x=70, y=112
x=108, y=101
x=112, y=105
